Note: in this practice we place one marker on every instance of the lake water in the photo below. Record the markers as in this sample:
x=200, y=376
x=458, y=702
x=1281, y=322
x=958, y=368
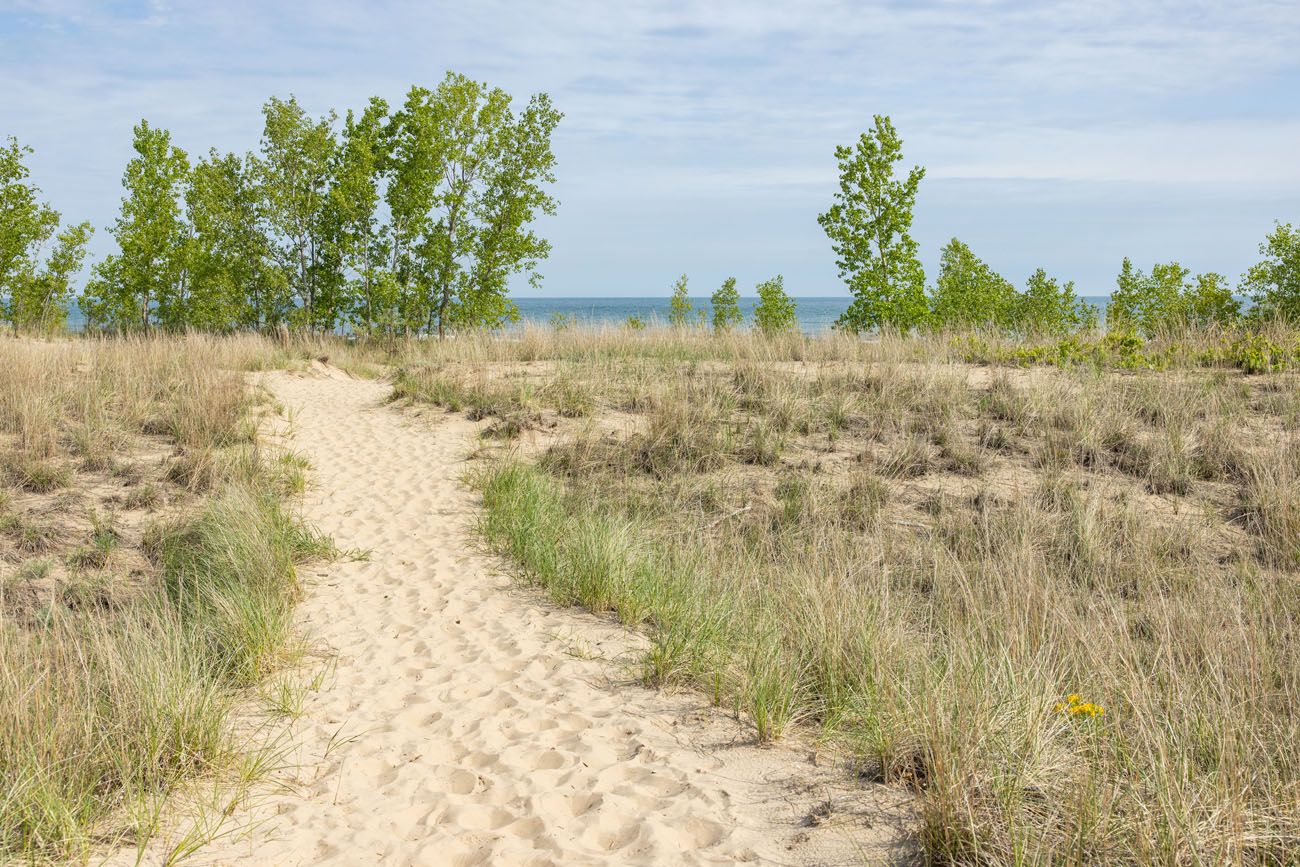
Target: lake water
x=815, y=315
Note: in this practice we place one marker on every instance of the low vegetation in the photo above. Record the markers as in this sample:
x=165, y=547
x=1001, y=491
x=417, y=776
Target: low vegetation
x=147, y=575
x=1059, y=602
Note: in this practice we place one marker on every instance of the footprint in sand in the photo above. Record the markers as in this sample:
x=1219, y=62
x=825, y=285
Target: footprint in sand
x=440, y=740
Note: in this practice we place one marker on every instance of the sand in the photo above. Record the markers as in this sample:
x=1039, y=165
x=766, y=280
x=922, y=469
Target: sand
x=466, y=721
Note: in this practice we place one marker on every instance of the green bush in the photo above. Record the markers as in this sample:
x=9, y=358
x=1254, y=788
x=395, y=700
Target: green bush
x=1274, y=283
x=970, y=294
x=1048, y=307
x=775, y=311
x=1167, y=299
x=679, y=305
x=726, y=306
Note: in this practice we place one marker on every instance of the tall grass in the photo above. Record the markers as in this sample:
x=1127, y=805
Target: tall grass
x=108, y=707
x=933, y=561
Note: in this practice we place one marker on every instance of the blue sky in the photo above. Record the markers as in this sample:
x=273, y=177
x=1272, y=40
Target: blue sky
x=699, y=137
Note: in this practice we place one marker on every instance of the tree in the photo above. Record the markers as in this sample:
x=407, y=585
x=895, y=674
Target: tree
x=1050, y=307
x=679, y=305
x=297, y=155
x=1147, y=302
x=39, y=300
x=235, y=283
x=775, y=311
x=361, y=240
x=1274, y=283
x=970, y=294
x=869, y=225
x=146, y=281
x=467, y=181
x=25, y=222
x=34, y=290
x=1209, y=301
x=726, y=306
x=1167, y=298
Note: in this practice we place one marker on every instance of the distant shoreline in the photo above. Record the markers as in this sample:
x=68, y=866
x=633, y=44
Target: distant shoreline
x=814, y=314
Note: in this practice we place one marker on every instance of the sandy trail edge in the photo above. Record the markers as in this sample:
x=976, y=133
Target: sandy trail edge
x=484, y=731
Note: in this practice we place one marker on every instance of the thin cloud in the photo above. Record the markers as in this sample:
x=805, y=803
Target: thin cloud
x=731, y=106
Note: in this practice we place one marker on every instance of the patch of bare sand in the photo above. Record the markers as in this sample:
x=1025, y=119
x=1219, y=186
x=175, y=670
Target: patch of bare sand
x=469, y=722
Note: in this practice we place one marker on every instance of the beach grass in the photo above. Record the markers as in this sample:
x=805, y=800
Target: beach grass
x=1058, y=601
x=137, y=607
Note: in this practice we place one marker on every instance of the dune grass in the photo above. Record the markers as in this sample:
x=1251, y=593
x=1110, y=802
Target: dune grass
x=130, y=635
x=1059, y=604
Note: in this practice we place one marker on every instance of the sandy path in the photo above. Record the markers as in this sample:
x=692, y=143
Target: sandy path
x=480, y=737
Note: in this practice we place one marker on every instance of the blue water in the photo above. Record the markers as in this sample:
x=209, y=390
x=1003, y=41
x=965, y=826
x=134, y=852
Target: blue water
x=814, y=315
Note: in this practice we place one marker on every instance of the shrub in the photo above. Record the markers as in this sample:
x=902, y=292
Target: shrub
x=1049, y=307
x=775, y=311
x=679, y=305
x=1274, y=283
x=726, y=306
x=1166, y=299
x=1209, y=301
x=969, y=294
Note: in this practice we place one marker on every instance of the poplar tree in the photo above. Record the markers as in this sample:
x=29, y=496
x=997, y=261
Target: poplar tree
x=869, y=226
x=34, y=290
x=362, y=242
x=1144, y=301
x=679, y=304
x=235, y=284
x=146, y=281
x=1208, y=300
x=775, y=313
x=1274, y=283
x=40, y=295
x=726, y=306
x=467, y=181
x=1050, y=307
x=294, y=168
x=25, y=221
x=970, y=294
x=1169, y=298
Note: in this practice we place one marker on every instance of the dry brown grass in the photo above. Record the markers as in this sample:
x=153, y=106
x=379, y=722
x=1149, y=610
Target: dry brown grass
x=146, y=579
x=921, y=559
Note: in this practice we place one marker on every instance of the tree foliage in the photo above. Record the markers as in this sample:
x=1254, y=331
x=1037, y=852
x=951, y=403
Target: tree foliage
x=294, y=169
x=775, y=312
x=869, y=225
x=1167, y=297
x=1050, y=307
x=970, y=294
x=236, y=279
x=363, y=241
x=680, y=309
x=403, y=222
x=1274, y=283
x=725, y=302
x=468, y=181
x=1208, y=300
x=34, y=287
x=147, y=281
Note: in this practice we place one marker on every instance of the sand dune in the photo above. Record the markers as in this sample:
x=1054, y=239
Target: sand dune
x=471, y=723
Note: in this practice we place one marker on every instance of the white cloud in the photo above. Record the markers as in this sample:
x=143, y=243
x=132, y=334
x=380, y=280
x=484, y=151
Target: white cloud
x=734, y=99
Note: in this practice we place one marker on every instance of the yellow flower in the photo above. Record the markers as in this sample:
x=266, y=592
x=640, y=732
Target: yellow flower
x=1074, y=705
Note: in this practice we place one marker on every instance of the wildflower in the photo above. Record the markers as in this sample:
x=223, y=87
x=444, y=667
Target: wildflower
x=1075, y=706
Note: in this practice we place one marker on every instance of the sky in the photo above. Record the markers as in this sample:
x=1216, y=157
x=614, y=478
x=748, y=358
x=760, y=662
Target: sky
x=699, y=138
